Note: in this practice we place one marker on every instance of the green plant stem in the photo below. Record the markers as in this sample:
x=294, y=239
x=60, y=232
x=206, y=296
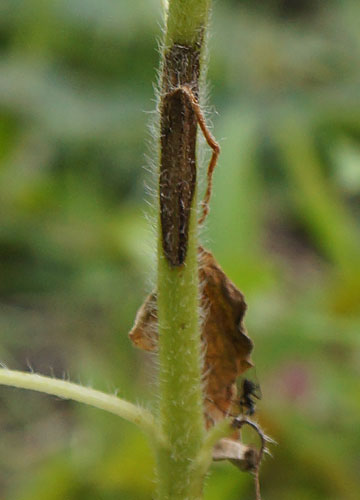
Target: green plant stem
x=67, y=390
x=181, y=408
x=220, y=430
x=187, y=20
x=180, y=349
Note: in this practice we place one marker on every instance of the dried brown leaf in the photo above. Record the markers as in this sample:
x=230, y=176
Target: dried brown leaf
x=226, y=342
x=144, y=332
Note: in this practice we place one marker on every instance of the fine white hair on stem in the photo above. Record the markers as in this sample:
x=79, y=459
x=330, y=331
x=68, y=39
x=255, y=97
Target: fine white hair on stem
x=28, y=364
x=164, y=6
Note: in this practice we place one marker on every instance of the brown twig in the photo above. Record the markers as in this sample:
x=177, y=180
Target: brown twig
x=257, y=484
x=239, y=422
x=212, y=144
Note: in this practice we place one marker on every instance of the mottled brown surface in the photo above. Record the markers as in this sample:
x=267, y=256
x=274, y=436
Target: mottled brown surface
x=228, y=346
x=178, y=125
x=226, y=343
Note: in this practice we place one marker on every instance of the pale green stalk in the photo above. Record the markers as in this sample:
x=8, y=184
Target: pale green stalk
x=186, y=21
x=220, y=430
x=67, y=390
x=181, y=408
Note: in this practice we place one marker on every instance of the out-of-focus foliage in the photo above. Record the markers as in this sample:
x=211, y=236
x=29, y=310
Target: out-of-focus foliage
x=76, y=251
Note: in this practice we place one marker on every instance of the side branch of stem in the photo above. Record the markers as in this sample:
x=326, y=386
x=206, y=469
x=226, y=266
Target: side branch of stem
x=68, y=390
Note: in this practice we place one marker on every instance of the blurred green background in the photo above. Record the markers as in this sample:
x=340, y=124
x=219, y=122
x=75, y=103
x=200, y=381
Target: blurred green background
x=77, y=253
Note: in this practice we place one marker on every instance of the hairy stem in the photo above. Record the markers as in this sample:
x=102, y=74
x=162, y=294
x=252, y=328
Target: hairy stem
x=186, y=21
x=180, y=350
x=180, y=373
x=67, y=390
